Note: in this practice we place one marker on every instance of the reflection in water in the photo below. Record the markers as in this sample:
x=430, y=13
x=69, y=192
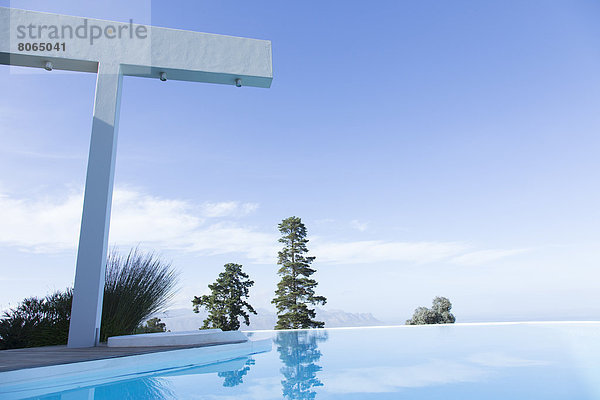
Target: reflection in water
x=516, y=362
x=235, y=377
x=299, y=352
x=156, y=387
x=135, y=389
x=145, y=388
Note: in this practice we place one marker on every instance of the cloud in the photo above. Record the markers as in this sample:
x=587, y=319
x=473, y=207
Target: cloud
x=140, y=217
x=52, y=225
x=373, y=251
x=359, y=226
x=324, y=221
x=52, y=156
x=41, y=226
x=230, y=238
x=256, y=389
x=390, y=379
x=503, y=361
x=228, y=209
x=177, y=224
x=485, y=256
x=432, y=373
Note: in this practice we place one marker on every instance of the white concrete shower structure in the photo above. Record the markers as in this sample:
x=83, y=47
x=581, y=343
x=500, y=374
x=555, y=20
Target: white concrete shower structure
x=113, y=50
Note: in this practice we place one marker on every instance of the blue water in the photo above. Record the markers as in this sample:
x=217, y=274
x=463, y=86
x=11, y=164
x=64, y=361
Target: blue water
x=432, y=362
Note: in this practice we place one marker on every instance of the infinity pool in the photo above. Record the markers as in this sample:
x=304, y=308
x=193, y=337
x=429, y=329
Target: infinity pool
x=537, y=361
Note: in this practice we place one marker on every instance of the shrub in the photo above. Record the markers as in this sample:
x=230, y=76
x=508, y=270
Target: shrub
x=37, y=322
x=136, y=287
x=438, y=314
x=153, y=325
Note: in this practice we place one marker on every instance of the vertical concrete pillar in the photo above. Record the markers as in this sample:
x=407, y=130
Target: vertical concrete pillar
x=88, y=293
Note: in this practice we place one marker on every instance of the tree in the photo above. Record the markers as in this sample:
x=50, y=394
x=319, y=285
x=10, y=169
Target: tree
x=441, y=307
x=296, y=291
x=225, y=303
x=438, y=314
x=153, y=325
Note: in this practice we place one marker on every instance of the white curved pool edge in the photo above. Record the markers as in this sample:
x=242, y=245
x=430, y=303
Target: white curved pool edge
x=436, y=325
x=38, y=381
x=185, y=338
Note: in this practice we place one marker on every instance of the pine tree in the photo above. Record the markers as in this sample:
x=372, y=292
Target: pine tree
x=296, y=291
x=225, y=303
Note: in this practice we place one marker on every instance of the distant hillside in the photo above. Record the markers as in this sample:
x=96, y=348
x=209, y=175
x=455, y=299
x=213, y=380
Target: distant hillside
x=184, y=319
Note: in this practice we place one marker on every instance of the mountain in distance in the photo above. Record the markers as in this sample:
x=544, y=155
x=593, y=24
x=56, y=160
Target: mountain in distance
x=184, y=319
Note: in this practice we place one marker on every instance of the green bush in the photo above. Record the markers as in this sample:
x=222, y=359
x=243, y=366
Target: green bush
x=37, y=322
x=439, y=313
x=136, y=287
x=153, y=325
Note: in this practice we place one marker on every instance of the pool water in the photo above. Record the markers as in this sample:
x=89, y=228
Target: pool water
x=539, y=361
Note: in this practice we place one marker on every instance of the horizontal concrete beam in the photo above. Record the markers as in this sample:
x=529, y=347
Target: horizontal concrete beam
x=142, y=50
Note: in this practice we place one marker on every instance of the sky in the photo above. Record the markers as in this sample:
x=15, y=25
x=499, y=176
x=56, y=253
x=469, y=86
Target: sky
x=432, y=148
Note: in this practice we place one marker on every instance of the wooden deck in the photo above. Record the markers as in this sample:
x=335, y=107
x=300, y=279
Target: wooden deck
x=33, y=357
